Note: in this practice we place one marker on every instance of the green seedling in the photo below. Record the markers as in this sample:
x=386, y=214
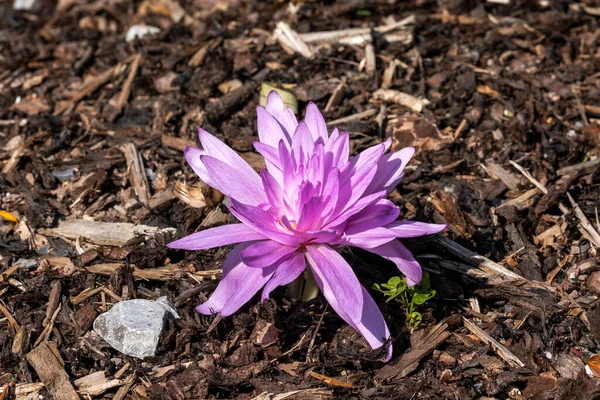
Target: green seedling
x=409, y=296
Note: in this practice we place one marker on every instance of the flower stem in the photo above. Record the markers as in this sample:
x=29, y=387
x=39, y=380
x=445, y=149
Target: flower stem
x=304, y=287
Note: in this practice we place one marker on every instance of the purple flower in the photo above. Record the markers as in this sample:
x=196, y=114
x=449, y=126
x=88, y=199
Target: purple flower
x=311, y=200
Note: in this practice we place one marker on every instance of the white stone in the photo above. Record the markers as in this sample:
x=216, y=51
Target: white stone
x=23, y=4
x=133, y=327
x=139, y=31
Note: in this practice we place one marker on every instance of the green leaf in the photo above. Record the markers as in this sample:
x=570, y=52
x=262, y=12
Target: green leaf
x=395, y=281
x=392, y=297
x=415, y=320
x=420, y=298
x=377, y=287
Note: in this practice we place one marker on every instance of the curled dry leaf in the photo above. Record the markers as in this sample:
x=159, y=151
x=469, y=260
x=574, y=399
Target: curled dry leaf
x=197, y=196
x=417, y=132
x=594, y=365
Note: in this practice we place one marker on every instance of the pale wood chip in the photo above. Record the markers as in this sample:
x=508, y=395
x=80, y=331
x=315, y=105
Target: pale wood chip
x=502, y=351
x=51, y=372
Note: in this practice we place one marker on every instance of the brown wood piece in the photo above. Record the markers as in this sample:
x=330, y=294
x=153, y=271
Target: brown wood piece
x=137, y=173
x=53, y=301
x=51, y=373
x=409, y=361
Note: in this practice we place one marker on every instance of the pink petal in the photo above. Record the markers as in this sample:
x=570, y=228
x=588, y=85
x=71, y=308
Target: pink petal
x=336, y=279
x=331, y=192
x=302, y=139
x=353, y=189
x=402, y=257
x=310, y=215
x=316, y=123
x=356, y=177
x=217, y=237
x=265, y=253
x=192, y=156
x=379, y=214
x=316, y=171
x=262, y=222
x=270, y=153
x=237, y=286
x=270, y=132
x=284, y=115
x=390, y=169
x=339, y=148
x=286, y=272
x=361, y=204
x=370, y=238
x=234, y=183
x=288, y=167
x=368, y=156
x=273, y=191
x=370, y=322
x=411, y=229
x=271, y=156
x=215, y=148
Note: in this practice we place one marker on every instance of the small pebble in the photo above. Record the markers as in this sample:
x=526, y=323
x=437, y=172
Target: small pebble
x=139, y=31
x=23, y=5
x=64, y=174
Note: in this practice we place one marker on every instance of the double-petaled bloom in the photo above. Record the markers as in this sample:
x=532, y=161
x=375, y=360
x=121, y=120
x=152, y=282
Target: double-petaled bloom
x=310, y=201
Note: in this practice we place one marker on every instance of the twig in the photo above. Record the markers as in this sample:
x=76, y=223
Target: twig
x=530, y=178
x=479, y=261
x=229, y=103
x=314, y=336
x=91, y=86
x=86, y=294
x=459, y=129
x=290, y=38
x=45, y=335
x=502, y=351
x=15, y=156
x=583, y=167
x=336, y=97
x=522, y=202
x=137, y=173
x=102, y=233
x=12, y=323
x=404, y=99
x=338, y=35
x=580, y=107
x=123, y=390
x=53, y=300
x=331, y=381
x=388, y=74
x=370, y=59
x=353, y=117
x=115, y=105
x=587, y=227
x=585, y=222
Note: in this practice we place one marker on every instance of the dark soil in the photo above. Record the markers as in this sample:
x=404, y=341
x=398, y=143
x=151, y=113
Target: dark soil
x=505, y=82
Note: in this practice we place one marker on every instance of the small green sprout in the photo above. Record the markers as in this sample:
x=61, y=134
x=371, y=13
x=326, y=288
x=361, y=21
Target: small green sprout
x=410, y=297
